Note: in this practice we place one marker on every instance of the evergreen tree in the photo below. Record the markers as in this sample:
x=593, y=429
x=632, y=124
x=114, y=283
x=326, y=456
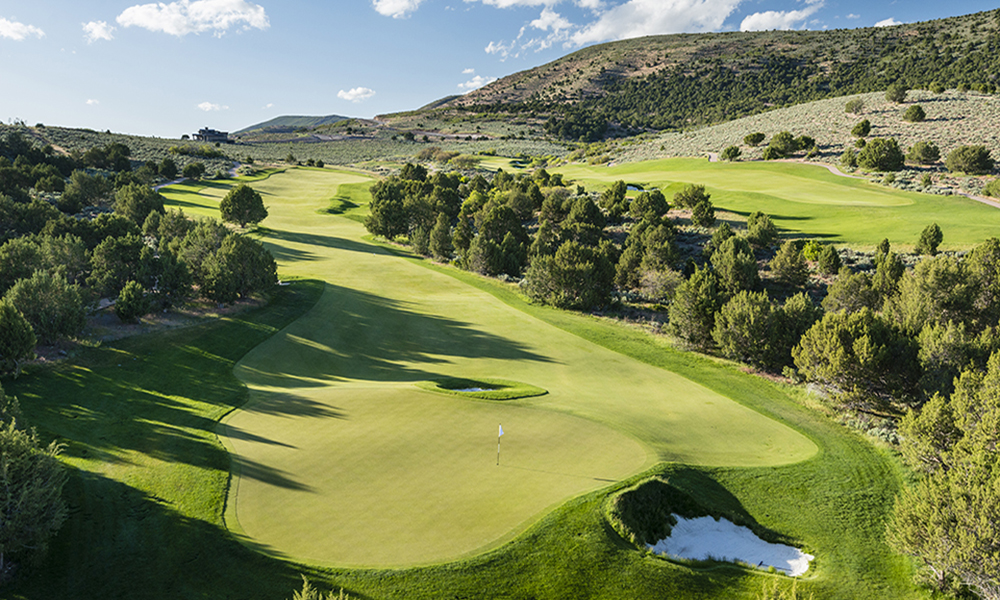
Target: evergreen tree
x=692, y=313
x=788, y=265
x=829, y=261
x=881, y=154
x=17, y=339
x=52, y=305
x=736, y=266
x=243, y=205
x=747, y=329
x=930, y=239
x=761, y=232
x=440, y=245
x=132, y=303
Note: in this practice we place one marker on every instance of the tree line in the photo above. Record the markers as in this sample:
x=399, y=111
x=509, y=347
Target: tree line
x=54, y=266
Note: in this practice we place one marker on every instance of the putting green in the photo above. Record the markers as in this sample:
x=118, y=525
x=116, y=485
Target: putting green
x=360, y=467
x=809, y=200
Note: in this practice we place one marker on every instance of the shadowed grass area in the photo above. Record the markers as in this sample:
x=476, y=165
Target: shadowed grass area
x=808, y=200
x=484, y=388
x=148, y=474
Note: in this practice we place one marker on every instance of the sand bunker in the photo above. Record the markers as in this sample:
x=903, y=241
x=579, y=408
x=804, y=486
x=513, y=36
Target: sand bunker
x=705, y=538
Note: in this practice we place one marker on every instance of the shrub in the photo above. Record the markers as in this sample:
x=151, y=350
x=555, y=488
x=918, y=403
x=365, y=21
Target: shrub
x=789, y=266
x=784, y=144
x=52, y=306
x=926, y=180
x=974, y=160
x=937, y=88
x=761, y=231
x=193, y=170
x=992, y=189
x=881, y=154
x=854, y=106
x=849, y=158
x=924, y=153
x=930, y=239
x=690, y=196
x=914, y=114
x=897, y=93
x=730, y=153
x=860, y=143
x=703, y=214
x=862, y=129
x=771, y=154
x=17, y=339
x=829, y=261
x=132, y=303
x=754, y=139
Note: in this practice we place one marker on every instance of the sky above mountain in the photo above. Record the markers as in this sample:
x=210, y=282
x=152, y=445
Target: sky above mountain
x=170, y=68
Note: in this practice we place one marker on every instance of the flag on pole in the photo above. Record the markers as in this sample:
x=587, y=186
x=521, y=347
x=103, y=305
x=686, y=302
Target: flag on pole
x=498, y=445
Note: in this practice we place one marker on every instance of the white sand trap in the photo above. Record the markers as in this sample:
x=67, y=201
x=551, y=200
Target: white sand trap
x=475, y=390
x=705, y=538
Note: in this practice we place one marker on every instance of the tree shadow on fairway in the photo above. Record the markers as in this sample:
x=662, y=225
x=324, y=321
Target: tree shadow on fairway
x=358, y=335
x=160, y=396
x=325, y=241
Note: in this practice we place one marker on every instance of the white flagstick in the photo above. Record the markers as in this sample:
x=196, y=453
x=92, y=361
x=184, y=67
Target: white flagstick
x=498, y=445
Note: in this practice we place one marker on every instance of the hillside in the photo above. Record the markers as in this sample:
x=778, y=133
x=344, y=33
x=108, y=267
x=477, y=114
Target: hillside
x=288, y=123
x=677, y=81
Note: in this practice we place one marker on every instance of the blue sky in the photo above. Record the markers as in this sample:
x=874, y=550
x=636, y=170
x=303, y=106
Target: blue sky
x=172, y=67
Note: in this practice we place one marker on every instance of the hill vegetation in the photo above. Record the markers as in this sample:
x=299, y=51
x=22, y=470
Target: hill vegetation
x=289, y=123
x=678, y=81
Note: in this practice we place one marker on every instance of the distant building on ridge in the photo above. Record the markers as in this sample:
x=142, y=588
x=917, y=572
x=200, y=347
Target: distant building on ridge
x=211, y=136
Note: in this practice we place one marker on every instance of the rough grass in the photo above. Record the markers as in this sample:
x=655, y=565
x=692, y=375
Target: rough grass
x=489, y=388
x=808, y=200
x=953, y=119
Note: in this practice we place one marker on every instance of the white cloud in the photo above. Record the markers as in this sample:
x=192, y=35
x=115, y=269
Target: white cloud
x=499, y=48
x=476, y=82
x=550, y=20
x=783, y=19
x=890, y=22
x=397, y=9
x=97, y=30
x=184, y=16
x=468, y=71
x=209, y=106
x=356, y=94
x=92, y=102
x=18, y=31
x=637, y=18
x=269, y=105
x=853, y=16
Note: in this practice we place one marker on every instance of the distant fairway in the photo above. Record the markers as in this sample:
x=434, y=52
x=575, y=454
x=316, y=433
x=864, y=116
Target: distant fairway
x=808, y=200
x=367, y=469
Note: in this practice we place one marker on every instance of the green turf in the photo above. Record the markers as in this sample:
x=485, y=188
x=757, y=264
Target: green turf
x=385, y=321
x=808, y=200
x=149, y=477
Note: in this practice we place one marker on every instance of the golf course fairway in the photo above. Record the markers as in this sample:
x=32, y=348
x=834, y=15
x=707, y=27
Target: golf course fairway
x=363, y=468
x=808, y=200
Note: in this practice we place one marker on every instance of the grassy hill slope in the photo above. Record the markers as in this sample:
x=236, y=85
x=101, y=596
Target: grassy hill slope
x=290, y=123
x=674, y=81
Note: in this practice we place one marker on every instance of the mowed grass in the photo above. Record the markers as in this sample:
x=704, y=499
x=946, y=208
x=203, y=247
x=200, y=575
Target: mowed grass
x=149, y=476
x=808, y=200
x=403, y=476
